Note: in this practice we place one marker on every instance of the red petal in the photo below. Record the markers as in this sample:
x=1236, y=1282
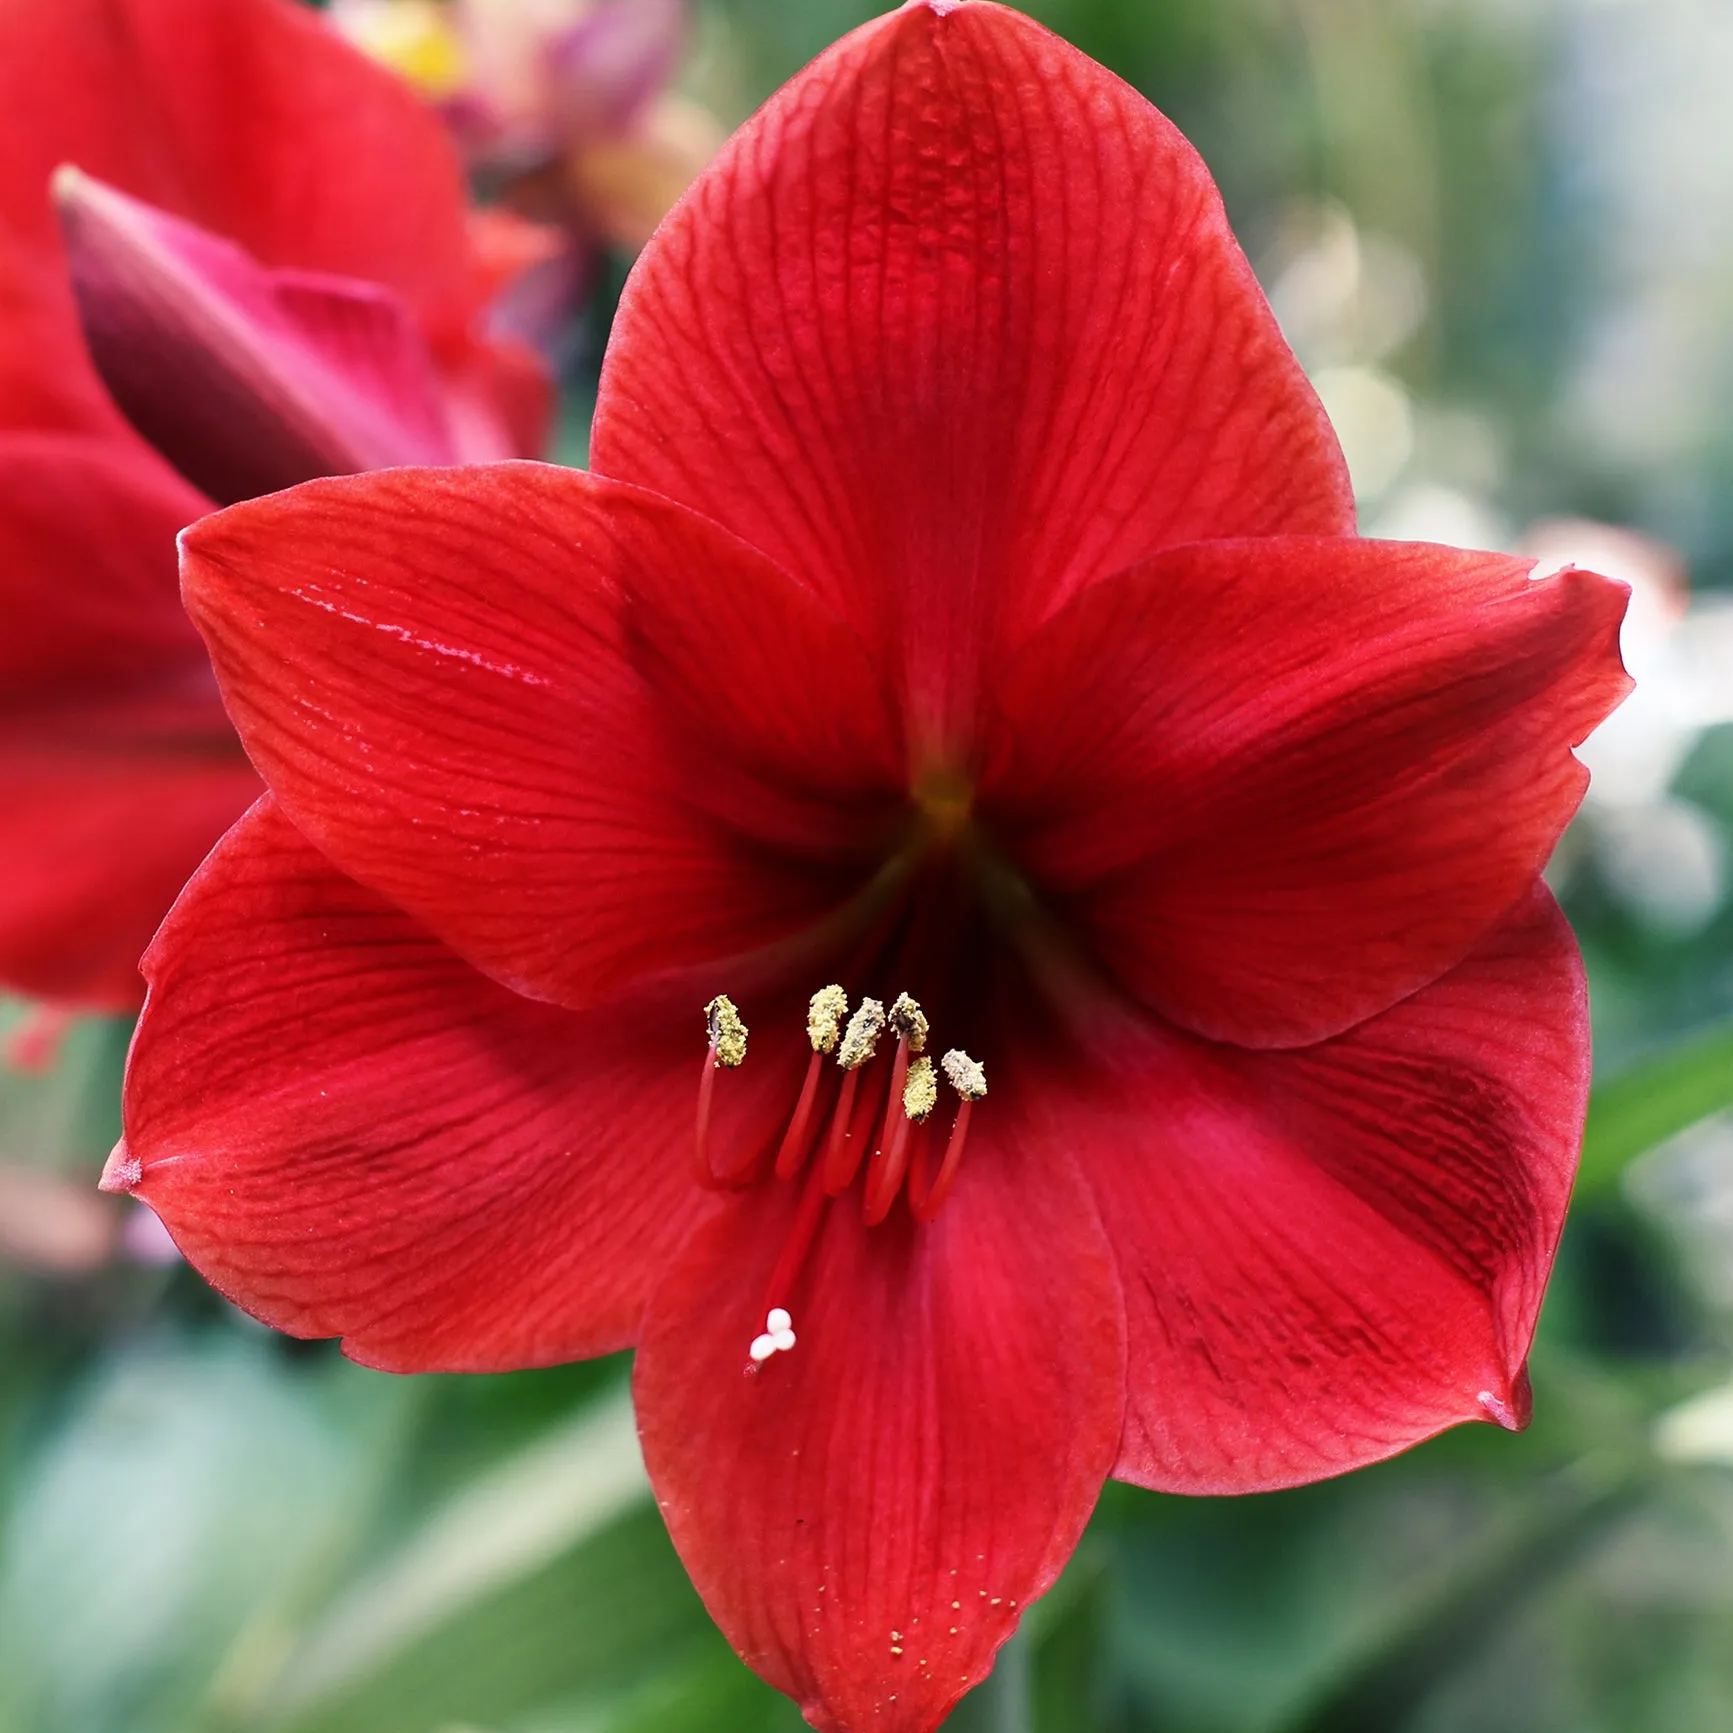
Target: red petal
x=247, y=117
x=458, y=682
x=500, y=400
x=351, y=1132
x=246, y=379
x=87, y=572
x=104, y=813
x=1331, y=1254
x=1288, y=782
x=118, y=769
x=869, y=1516
x=956, y=318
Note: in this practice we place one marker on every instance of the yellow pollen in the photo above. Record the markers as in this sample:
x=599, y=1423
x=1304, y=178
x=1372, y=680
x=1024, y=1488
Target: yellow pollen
x=860, y=1039
x=920, y=1090
x=965, y=1075
x=910, y=1022
x=824, y=1018
x=727, y=1032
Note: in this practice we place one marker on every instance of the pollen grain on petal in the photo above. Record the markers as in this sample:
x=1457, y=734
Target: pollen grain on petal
x=825, y=1014
x=727, y=1032
x=860, y=1040
x=965, y=1075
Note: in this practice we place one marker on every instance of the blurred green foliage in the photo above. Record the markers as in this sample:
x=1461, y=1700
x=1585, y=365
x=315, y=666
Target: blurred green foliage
x=1467, y=215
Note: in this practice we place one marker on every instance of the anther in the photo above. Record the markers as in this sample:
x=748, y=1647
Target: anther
x=726, y=1051
x=727, y=1032
x=910, y=1023
x=965, y=1075
x=860, y=1040
x=920, y=1091
x=824, y=1018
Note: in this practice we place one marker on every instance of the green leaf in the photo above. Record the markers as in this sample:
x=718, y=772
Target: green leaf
x=1441, y=1630
x=546, y=1581
x=1648, y=1103
x=188, y=1493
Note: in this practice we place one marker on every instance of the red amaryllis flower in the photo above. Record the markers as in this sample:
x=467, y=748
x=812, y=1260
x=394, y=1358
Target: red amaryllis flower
x=233, y=255
x=962, y=654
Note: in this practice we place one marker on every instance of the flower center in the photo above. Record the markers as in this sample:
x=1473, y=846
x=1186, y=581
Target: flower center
x=868, y=1094
x=944, y=798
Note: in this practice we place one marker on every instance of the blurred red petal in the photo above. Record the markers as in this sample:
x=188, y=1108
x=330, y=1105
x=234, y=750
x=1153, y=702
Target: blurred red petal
x=87, y=568
x=246, y=379
x=869, y=1515
x=1328, y=1255
x=102, y=819
x=1284, y=783
x=247, y=117
x=118, y=768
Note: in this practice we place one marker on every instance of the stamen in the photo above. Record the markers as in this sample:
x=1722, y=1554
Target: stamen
x=860, y=1040
x=910, y=1022
x=884, y=1180
x=727, y=1032
x=792, y=1151
x=859, y=1043
x=920, y=1091
x=841, y=1156
x=825, y=1012
x=900, y=1161
x=727, y=1050
x=969, y=1078
x=911, y=1031
x=890, y=1151
x=965, y=1075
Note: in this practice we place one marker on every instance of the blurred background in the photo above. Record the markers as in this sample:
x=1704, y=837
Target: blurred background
x=1500, y=235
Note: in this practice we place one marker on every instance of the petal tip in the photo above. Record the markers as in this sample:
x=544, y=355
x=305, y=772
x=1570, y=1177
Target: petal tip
x=1512, y=1408
x=122, y=1172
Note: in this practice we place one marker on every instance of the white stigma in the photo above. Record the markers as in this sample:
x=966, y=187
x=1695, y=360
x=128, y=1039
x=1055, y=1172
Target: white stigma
x=778, y=1337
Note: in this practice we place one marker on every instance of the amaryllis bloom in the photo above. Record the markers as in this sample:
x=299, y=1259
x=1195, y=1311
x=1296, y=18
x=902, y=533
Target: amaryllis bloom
x=233, y=255
x=942, y=894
